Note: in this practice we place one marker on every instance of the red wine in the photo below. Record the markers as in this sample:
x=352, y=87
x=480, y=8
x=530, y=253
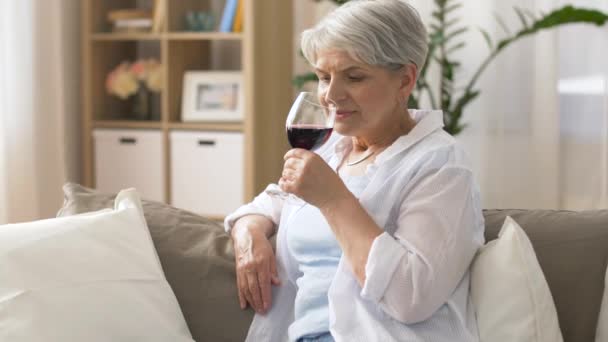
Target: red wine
x=308, y=137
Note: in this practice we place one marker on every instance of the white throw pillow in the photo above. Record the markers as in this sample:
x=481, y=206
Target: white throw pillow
x=510, y=294
x=602, y=323
x=89, y=277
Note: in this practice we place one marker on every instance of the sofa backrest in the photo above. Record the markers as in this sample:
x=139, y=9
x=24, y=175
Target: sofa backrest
x=572, y=249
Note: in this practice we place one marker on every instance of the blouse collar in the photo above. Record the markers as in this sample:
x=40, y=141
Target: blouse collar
x=427, y=122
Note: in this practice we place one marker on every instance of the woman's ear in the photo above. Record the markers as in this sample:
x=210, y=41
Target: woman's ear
x=409, y=74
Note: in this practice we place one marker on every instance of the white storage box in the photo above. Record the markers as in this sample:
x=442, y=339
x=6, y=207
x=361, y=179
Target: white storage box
x=130, y=158
x=207, y=171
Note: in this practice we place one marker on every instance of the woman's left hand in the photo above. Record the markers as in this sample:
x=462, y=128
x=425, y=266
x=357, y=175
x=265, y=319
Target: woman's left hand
x=308, y=176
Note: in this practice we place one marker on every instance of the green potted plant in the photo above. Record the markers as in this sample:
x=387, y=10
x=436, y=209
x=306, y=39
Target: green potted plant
x=443, y=33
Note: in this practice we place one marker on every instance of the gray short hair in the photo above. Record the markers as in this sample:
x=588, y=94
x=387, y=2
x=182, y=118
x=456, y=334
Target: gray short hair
x=386, y=33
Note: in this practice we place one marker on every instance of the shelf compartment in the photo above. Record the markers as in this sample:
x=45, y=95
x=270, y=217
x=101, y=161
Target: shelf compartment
x=102, y=37
x=208, y=126
x=99, y=9
x=131, y=124
x=204, y=36
x=191, y=55
x=177, y=12
x=104, y=58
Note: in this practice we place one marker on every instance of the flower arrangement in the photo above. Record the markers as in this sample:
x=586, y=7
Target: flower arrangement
x=128, y=78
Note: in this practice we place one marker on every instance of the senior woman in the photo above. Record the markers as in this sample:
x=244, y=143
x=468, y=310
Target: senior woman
x=381, y=249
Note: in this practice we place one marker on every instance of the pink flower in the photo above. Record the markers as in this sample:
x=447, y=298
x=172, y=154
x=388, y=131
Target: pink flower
x=140, y=70
x=121, y=81
x=126, y=78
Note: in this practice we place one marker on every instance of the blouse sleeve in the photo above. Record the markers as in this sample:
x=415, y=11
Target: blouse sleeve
x=263, y=204
x=412, y=273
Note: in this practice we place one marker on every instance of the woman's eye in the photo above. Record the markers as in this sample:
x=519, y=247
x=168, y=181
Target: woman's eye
x=324, y=78
x=355, y=78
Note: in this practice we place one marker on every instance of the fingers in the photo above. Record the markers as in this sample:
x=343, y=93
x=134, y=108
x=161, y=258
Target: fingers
x=296, y=153
x=274, y=275
x=264, y=281
x=291, y=164
x=254, y=291
x=244, y=293
x=288, y=175
x=242, y=301
x=255, y=288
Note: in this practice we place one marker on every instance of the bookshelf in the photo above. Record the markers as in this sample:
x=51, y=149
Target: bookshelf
x=262, y=53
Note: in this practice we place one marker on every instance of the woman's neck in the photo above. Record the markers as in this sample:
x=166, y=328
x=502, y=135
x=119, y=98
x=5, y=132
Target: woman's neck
x=388, y=136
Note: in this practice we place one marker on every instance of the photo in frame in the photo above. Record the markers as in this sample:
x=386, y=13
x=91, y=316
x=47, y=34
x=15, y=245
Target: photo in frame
x=212, y=96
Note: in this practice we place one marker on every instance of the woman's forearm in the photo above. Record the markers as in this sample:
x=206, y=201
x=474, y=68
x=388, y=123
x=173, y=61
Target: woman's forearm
x=354, y=229
x=254, y=224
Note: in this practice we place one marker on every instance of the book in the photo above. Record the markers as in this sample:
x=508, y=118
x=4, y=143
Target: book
x=141, y=23
x=228, y=16
x=238, y=19
x=133, y=13
x=132, y=25
x=158, y=20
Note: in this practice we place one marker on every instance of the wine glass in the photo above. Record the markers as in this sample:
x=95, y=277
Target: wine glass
x=309, y=126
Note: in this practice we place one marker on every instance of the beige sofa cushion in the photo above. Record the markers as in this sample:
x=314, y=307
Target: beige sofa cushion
x=507, y=267
x=572, y=249
x=197, y=258
x=94, y=277
x=602, y=324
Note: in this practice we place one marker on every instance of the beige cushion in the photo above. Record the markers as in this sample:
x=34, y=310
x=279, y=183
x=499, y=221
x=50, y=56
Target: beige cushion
x=197, y=257
x=510, y=294
x=602, y=323
x=92, y=277
x=572, y=249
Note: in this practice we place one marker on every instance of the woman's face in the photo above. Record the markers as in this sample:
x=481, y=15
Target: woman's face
x=368, y=99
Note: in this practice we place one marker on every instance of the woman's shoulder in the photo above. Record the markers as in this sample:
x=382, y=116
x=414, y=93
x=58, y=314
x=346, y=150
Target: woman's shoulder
x=440, y=149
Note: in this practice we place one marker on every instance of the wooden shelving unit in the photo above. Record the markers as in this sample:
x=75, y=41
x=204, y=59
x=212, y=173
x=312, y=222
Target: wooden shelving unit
x=265, y=61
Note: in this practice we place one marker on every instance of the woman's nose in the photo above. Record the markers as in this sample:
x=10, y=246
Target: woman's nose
x=334, y=92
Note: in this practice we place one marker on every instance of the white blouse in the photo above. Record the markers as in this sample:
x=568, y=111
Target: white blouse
x=422, y=193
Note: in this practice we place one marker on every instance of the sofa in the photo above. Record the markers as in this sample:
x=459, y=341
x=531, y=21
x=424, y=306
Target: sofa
x=197, y=258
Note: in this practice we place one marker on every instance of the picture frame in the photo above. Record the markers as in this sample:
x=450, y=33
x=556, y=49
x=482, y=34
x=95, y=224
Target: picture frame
x=212, y=96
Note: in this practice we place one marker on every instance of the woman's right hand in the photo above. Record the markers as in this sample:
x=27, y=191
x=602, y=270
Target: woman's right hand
x=256, y=267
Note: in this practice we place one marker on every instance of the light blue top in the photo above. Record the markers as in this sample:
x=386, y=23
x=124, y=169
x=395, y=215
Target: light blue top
x=314, y=247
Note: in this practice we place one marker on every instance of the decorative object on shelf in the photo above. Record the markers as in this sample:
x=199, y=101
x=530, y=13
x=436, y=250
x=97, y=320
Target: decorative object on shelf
x=442, y=44
x=158, y=19
x=199, y=21
x=237, y=26
x=212, y=96
x=130, y=20
x=231, y=10
x=141, y=80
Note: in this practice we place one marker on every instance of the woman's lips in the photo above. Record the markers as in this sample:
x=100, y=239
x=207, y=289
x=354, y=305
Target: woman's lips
x=343, y=114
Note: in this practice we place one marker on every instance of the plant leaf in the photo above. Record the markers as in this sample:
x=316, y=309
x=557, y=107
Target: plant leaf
x=456, y=47
x=437, y=38
x=487, y=37
x=412, y=102
x=438, y=15
x=300, y=80
x=451, y=22
x=564, y=15
x=452, y=8
x=529, y=14
x=502, y=24
x=456, y=33
x=522, y=16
